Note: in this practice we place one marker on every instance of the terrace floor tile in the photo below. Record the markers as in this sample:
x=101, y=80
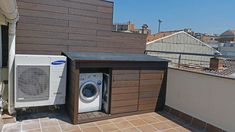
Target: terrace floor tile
x=149, y=122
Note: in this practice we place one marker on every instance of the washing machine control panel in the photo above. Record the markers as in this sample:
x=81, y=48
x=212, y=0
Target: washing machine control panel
x=93, y=77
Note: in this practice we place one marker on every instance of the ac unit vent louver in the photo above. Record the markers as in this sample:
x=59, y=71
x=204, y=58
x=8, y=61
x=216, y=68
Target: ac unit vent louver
x=33, y=83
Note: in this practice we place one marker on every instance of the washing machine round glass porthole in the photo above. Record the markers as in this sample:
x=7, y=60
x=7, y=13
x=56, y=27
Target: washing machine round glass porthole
x=89, y=92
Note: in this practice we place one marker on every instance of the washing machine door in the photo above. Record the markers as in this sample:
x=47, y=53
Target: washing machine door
x=89, y=92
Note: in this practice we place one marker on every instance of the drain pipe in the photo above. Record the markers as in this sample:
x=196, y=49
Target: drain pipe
x=9, y=9
x=11, y=57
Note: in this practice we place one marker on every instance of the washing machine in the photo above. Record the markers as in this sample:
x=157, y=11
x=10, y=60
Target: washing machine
x=90, y=94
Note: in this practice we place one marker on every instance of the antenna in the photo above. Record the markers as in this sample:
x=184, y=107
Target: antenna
x=159, y=25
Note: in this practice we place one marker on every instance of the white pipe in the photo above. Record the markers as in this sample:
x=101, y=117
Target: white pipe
x=9, y=9
x=0, y=46
x=0, y=53
x=12, y=37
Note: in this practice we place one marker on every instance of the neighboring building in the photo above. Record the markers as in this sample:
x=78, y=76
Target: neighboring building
x=123, y=27
x=182, y=42
x=227, y=49
x=227, y=36
x=131, y=28
x=226, y=43
x=152, y=37
x=207, y=38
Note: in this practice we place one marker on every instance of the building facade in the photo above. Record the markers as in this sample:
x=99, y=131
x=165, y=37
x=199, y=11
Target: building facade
x=49, y=27
x=172, y=46
x=227, y=36
x=131, y=28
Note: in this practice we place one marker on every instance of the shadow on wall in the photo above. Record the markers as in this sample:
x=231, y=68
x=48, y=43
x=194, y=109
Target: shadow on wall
x=162, y=94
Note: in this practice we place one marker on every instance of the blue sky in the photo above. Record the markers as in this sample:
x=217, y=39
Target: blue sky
x=207, y=16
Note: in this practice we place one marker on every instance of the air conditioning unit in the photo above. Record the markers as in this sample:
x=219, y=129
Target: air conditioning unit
x=40, y=80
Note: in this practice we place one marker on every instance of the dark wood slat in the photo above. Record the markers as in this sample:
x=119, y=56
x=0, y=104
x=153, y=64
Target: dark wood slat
x=125, y=109
x=121, y=103
x=149, y=88
x=125, y=83
x=151, y=76
x=117, y=97
x=143, y=101
x=41, y=34
x=151, y=72
x=90, y=116
x=72, y=91
x=86, y=19
x=124, y=97
x=63, y=3
x=123, y=90
x=45, y=28
x=118, y=72
x=95, y=2
x=147, y=107
x=50, y=41
x=90, y=13
x=150, y=94
x=43, y=14
x=150, y=82
x=43, y=21
x=73, y=36
x=90, y=25
x=125, y=77
x=38, y=52
x=105, y=9
x=35, y=47
x=105, y=21
x=40, y=7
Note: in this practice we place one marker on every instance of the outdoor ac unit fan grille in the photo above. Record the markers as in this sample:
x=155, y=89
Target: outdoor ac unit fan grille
x=32, y=83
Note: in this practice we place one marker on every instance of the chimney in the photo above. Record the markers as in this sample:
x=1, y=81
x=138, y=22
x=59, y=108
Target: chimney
x=216, y=63
x=144, y=28
x=131, y=27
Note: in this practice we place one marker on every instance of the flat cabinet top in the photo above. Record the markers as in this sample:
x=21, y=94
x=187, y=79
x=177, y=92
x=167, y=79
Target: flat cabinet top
x=112, y=57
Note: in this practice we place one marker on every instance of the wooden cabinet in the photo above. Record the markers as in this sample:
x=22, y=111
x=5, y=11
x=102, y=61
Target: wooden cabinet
x=135, y=83
x=125, y=91
x=135, y=90
x=150, y=85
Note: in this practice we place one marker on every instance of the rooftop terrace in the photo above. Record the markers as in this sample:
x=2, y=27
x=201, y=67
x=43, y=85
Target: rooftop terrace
x=149, y=122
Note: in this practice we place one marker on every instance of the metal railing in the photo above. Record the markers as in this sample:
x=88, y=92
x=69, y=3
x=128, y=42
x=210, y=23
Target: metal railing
x=194, y=60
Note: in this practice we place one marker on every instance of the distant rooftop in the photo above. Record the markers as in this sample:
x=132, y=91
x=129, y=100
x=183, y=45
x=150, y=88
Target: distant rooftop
x=228, y=33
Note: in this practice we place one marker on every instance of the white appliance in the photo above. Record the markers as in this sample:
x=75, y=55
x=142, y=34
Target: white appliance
x=90, y=94
x=40, y=80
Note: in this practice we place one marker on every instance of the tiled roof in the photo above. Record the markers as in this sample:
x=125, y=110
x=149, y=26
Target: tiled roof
x=228, y=33
x=158, y=36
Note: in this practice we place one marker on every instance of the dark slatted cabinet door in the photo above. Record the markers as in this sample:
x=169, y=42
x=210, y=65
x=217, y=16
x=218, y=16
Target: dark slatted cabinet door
x=150, y=84
x=125, y=86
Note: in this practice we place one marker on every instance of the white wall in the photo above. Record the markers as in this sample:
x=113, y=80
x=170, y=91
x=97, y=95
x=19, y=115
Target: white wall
x=209, y=98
